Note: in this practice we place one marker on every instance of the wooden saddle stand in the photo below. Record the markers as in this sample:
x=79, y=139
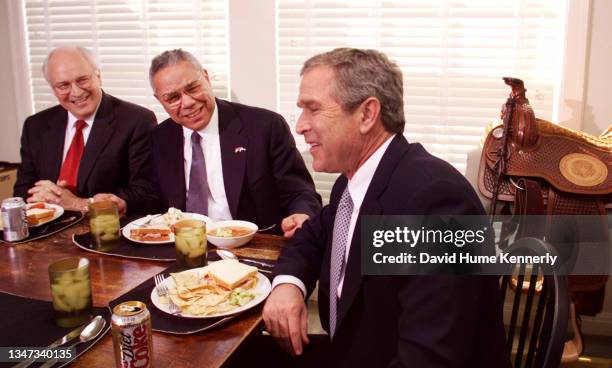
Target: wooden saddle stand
x=545, y=169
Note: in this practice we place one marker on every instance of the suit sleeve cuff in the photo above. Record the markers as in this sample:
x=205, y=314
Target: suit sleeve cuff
x=288, y=279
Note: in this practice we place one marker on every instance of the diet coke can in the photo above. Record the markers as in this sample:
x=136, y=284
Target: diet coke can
x=131, y=329
x=14, y=221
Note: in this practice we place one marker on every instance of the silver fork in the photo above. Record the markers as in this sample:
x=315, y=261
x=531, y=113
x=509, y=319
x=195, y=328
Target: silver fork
x=148, y=222
x=162, y=290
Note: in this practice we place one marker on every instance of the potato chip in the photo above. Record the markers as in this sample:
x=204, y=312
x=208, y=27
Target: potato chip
x=180, y=301
x=187, y=279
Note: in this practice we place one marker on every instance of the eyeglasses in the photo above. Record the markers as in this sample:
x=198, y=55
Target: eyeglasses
x=81, y=82
x=193, y=88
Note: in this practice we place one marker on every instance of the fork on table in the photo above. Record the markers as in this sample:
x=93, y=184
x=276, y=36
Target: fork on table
x=162, y=290
x=148, y=221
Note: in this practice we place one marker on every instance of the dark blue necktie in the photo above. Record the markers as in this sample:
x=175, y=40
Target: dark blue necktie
x=197, y=197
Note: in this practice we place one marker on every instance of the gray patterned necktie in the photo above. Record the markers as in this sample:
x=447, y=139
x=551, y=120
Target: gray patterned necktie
x=341, y=229
x=197, y=197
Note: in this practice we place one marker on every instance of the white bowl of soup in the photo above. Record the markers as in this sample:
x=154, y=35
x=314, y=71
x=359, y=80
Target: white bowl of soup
x=230, y=234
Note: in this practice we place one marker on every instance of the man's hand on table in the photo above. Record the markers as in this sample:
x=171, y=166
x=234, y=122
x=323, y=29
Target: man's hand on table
x=293, y=222
x=286, y=318
x=121, y=205
x=49, y=192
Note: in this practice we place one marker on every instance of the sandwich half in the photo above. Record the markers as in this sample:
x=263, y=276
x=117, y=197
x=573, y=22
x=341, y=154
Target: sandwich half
x=150, y=234
x=230, y=273
x=37, y=216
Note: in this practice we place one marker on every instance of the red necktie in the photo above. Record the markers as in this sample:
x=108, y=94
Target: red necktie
x=70, y=167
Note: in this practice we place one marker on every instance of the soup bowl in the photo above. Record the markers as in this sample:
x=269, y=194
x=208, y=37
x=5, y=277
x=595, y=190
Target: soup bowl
x=230, y=234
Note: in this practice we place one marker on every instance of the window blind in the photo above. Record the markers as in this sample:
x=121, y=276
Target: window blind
x=453, y=54
x=125, y=35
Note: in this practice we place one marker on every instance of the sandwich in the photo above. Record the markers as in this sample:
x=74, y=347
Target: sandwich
x=150, y=234
x=37, y=215
x=36, y=205
x=231, y=274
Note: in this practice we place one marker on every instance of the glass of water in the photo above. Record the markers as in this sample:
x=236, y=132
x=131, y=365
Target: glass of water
x=71, y=291
x=190, y=240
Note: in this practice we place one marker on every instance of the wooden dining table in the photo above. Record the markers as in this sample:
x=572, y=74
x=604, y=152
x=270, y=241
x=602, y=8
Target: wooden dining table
x=23, y=271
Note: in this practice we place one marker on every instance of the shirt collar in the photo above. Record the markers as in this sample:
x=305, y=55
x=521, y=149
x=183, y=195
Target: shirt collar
x=359, y=183
x=211, y=129
x=73, y=119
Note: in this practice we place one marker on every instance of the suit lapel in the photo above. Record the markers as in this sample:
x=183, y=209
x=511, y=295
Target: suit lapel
x=174, y=166
x=100, y=133
x=371, y=206
x=233, y=154
x=54, y=145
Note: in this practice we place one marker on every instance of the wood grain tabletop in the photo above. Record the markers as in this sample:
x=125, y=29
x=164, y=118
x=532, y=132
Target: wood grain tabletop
x=23, y=271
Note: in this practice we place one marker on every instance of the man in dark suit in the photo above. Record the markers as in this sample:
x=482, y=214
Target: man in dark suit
x=352, y=116
x=223, y=159
x=91, y=143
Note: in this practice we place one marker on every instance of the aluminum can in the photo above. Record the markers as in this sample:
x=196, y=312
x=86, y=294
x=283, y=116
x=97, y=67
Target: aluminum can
x=14, y=221
x=132, y=336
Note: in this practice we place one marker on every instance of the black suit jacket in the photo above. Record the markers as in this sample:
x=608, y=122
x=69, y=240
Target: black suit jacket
x=264, y=183
x=402, y=321
x=116, y=158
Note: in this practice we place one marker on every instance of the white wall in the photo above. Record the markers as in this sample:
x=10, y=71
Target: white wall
x=597, y=114
x=252, y=37
x=9, y=116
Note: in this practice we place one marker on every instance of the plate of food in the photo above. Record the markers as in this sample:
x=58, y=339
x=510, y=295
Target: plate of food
x=220, y=289
x=40, y=213
x=157, y=229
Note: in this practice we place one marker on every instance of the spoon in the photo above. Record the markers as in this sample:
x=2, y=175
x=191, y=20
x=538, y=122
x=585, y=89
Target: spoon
x=226, y=254
x=90, y=332
x=266, y=228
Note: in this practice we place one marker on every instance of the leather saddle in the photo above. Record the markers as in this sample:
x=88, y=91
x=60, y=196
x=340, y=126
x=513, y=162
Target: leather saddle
x=539, y=168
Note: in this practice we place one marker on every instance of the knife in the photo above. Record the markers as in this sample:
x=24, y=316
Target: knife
x=61, y=341
x=69, y=219
x=246, y=260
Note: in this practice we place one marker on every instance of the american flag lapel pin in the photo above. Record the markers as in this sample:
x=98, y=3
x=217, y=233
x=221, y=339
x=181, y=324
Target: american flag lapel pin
x=239, y=149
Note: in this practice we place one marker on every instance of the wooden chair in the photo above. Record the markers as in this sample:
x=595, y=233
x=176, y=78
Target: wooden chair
x=538, y=322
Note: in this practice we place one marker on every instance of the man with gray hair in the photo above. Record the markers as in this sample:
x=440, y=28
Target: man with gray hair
x=90, y=145
x=352, y=118
x=222, y=159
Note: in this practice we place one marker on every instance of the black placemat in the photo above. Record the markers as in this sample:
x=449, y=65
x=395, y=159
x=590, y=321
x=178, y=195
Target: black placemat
x=67, y=219
x=29, y=322
x=164, y=322
x=155, y=252
x=129, y=249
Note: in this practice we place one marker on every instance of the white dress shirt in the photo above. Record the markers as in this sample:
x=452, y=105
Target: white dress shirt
x=357, y=186
x=71, y=130
x=218, y=208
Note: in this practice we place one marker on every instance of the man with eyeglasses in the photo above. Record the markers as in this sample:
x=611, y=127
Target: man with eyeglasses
x=222, y=159
x=90, y=145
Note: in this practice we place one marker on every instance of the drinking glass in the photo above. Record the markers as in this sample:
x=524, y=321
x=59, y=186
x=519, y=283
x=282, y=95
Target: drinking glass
x=104, y=225
x=190, y=240
x=71, y=291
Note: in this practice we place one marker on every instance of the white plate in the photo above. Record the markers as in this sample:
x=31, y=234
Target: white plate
x=59, y=210
x=186, y=216
x=261, y=291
